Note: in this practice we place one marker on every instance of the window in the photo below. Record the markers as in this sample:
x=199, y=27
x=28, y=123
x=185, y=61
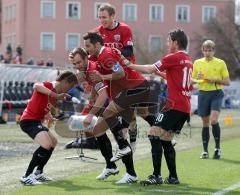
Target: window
x=72, y=40
x=73, y=10
x=97, y=6
x=156, y=12
x=129, y=12
x=47, y=41
x=208, y=13
x=183, y=13
x=9, y=13
x=155, y=43
x=48, y=9
x=237, y=12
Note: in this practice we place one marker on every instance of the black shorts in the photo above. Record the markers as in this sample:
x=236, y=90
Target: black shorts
x=209, y=100
x=172, y=120
x=133, y=97
x=32, y=127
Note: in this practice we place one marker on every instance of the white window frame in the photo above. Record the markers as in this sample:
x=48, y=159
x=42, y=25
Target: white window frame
x=237, y=12
x=150, y=12
x=41, y=41
x=149, y=42
x=66, y=40
x=188, y=13
x=13, y=11
x=211, y=7
x=54, y=8
x=124, y=12
x=79, y=11
x=96, y=4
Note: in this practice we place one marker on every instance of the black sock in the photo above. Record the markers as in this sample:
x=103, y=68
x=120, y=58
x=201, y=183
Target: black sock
x=150, y=119
x=118, y=135
x=128, y=161
x=44, y=161
x=216, y=134
x=105, y=147
x=170, y=156
x=205, y=138
x=38, y=156
x=156, y=154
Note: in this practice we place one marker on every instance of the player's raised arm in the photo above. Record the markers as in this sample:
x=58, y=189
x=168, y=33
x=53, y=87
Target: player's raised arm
x=147, y=68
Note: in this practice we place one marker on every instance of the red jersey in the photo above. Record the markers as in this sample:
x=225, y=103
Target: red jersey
x=97, y=86
x=92, y=66
x=111, y=62
x=118, y=37
x=178, y=67
x=39, y=104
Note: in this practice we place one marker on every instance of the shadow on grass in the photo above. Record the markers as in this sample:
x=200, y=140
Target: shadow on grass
x=70, y=186
x=230, y=161
x=164, y=188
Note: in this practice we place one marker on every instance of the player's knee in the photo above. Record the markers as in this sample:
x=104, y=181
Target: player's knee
x=214, y=121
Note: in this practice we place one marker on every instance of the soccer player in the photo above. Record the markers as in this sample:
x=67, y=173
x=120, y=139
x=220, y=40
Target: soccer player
x=79, y=58
x=177, y=66
x=214, y=73
x=126, y=87
x=119, y=35
x=44, y=97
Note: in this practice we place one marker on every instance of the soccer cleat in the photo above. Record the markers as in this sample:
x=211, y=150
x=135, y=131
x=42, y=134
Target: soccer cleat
x=127, y=179
x=152, y=180
x=120, y=153
x=217, y=153
x=29, y=180
x=42, y=177
x=106, y=173
x=171, y=180
x=204, y=155
x=133, y=146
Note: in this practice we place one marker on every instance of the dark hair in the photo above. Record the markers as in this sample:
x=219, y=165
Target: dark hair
x=179, y=36
x=94, y=37
x=68, y=76
x=81, y=51
x=108, y=7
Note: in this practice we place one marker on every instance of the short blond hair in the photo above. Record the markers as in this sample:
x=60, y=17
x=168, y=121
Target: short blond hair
x=108, y=7
x=208, y=44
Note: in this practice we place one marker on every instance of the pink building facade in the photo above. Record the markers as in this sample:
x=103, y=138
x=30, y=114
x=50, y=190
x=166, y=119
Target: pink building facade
x=50, y=28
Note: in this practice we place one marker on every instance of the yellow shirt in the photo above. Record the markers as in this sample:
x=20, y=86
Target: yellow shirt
x=214, y=69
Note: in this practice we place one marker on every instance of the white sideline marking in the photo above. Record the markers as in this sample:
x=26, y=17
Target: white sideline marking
x=228, y=189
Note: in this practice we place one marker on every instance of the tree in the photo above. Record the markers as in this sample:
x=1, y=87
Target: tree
x=226, y=34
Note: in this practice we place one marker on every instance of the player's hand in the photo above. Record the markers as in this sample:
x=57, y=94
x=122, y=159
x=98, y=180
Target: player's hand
x=51, y=121
x=87, y=121
x=81, y=76
x=200, y=75
x=95, y=76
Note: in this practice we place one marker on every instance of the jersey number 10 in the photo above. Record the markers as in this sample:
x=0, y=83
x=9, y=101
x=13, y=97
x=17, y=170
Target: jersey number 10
x=187, y=74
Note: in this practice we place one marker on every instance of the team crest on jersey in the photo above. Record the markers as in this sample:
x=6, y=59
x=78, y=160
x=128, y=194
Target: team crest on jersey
x=117, y=37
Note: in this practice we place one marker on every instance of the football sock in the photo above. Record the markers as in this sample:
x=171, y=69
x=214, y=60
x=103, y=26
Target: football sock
x=205, y=138
x=39, y=155
x=170, y=156
x=216, y=134
x=44, y=161
x=105, y=147
x=156, y=149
